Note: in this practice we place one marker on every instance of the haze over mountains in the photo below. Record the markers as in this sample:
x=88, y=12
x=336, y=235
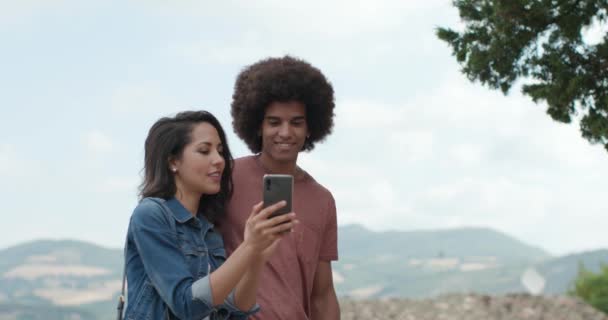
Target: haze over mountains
x=50, y=279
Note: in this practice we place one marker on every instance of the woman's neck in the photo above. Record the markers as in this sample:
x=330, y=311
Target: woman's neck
x=190, y=201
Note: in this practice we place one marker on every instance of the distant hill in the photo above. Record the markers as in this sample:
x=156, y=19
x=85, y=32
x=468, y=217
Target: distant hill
x=64, y=251
x=68, y=279
x=53, y=280
x=42, y=312
x=429, y=263
x=559, y=272
x=356, y=241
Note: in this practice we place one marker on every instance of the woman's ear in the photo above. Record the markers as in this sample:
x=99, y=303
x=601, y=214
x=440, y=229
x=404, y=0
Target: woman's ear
x=173, y=164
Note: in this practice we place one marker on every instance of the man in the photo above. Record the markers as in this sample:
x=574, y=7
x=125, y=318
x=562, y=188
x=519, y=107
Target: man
x=280, y=107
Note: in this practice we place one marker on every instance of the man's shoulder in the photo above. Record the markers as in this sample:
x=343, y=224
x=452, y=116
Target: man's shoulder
x=244, y=165
x=245, y=161
x=318, y=189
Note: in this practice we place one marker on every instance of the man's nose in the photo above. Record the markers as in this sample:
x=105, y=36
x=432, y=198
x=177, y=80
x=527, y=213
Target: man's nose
x=284, y=130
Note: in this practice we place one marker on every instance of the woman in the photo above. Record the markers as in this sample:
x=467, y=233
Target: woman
x=175, y=259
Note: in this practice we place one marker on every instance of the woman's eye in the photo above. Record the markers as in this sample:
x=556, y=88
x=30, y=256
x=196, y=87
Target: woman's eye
x=205, y=152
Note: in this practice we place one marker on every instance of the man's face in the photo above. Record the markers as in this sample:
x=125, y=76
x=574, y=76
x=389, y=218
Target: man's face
x=284, y=130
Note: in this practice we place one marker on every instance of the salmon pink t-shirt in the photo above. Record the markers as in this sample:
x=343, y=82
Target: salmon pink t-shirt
x=286, y=282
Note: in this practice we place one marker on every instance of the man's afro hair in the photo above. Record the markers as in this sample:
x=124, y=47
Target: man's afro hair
x=281, y=80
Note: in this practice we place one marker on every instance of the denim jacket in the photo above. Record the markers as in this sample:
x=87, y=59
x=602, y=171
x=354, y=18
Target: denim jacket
x=169, y=256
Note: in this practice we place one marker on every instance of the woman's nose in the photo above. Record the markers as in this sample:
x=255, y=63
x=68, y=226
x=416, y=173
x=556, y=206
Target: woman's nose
x=218, y=159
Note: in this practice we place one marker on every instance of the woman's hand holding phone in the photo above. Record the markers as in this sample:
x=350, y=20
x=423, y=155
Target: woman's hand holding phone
x=263, y=233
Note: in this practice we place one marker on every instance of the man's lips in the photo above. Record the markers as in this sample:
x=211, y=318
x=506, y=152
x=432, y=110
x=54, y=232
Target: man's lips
x=284, y=145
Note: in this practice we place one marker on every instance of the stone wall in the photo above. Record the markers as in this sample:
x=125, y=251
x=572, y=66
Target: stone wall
x=472, y=307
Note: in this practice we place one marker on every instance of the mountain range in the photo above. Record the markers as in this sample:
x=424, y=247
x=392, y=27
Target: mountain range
x=69, y=279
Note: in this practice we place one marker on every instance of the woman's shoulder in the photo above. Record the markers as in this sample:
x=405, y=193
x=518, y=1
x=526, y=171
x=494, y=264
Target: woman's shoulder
x=148, y=209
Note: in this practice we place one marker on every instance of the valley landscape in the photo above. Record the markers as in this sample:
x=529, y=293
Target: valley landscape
x=445, y=274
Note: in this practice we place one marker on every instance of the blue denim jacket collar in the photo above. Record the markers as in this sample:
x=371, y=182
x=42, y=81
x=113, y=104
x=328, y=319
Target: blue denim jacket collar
x=182, y=215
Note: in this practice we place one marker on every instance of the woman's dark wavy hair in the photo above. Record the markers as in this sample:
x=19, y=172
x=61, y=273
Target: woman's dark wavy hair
x=281, y=80
x=166, y=140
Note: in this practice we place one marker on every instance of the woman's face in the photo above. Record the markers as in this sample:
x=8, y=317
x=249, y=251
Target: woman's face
x=201, y=164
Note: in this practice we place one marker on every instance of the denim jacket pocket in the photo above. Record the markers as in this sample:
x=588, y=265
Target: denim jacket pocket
x=218, y=253
x=195, y=256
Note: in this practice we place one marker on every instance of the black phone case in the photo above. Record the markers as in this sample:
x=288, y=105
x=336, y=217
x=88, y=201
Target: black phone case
x=278, y=187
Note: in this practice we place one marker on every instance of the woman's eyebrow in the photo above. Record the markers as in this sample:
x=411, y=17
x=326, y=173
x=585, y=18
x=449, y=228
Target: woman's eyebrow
x=208, y=143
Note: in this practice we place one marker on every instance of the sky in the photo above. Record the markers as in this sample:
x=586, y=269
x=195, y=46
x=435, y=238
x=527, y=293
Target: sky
x=415, y=146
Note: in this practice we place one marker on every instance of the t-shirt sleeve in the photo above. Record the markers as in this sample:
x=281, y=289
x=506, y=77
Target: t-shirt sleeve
x=329, y=243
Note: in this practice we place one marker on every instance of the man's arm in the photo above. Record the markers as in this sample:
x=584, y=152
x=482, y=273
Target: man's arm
x=324, y=301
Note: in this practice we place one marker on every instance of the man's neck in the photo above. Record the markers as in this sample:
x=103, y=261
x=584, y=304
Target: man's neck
x=278, y=167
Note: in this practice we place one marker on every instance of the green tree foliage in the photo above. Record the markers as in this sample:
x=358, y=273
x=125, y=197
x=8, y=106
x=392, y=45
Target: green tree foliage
x=540, y=42
x=592, y=287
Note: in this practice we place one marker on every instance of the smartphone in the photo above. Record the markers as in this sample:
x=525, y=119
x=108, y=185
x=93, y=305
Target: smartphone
x=278, y=187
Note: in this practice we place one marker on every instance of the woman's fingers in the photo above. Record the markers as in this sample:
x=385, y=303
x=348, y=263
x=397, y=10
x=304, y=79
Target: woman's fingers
x=256, y=209
x=270, y=228
x=265, y=231
x=282, y=228
x=277, y=220
x=266, y=212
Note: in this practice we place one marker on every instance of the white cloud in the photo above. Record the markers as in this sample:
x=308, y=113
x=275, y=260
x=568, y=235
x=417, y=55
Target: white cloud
x=9, y=163
x=410, y=146
x=595, y=33
x=316, y=17
x=15, y=165
x=241, y=51
x=461, y=156
x=368, y=115
x=143, y=98
x=24, y=13
x=97, y=143
x=466, y=154
x=119, y=184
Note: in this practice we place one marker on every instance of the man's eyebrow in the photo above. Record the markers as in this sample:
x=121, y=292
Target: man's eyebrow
x=294, y=118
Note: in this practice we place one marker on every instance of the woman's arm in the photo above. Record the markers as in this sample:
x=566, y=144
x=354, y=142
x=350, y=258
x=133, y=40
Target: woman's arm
x=243, y=267
x=165, y=264
x=168, y=271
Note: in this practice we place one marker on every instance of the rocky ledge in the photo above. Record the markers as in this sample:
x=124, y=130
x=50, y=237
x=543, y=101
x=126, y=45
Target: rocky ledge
x=472, y=307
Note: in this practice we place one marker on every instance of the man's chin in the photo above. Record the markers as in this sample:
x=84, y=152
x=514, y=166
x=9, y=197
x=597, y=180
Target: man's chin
x=284, y=157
